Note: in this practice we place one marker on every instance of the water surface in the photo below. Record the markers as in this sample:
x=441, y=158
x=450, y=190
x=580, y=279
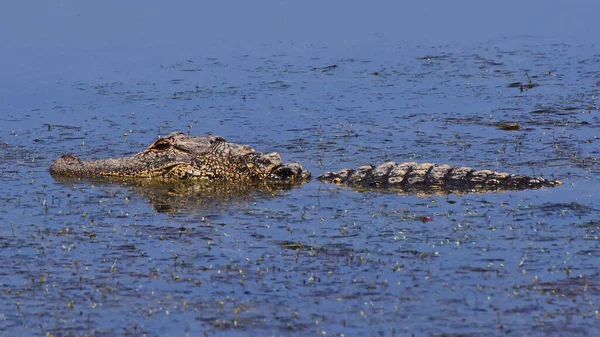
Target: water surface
x=330, y=85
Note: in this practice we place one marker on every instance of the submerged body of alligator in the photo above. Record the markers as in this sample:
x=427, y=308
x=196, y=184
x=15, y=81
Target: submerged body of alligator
x=211, y=158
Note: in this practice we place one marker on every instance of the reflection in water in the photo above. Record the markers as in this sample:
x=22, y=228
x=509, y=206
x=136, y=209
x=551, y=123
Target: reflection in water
x=180, y=195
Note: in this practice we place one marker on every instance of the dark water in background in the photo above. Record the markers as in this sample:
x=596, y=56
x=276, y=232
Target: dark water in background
x=419, y=82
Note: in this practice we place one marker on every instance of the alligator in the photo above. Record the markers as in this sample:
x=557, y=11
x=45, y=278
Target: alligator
x=178, y=156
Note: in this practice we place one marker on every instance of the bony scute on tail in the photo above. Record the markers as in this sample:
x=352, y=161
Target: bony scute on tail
x=411, y=176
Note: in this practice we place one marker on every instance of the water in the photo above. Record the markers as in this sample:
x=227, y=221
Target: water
x=412, y=82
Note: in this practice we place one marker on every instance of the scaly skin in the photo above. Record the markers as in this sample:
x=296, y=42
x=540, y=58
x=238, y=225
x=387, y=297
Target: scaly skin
x=413, y=176
x=179, y=156
x=211, y=158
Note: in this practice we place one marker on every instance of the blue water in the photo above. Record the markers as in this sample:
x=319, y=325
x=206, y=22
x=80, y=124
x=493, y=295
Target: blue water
x=425, y=82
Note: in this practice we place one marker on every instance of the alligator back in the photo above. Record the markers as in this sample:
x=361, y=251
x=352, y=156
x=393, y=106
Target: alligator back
x=414, y=176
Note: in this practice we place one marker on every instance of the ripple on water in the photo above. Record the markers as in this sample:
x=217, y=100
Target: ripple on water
x=112, y=258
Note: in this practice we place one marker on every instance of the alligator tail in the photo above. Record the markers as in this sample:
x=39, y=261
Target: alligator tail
x=411, y=175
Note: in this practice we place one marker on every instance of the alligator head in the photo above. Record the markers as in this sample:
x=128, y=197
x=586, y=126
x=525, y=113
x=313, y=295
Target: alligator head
x=179, y=156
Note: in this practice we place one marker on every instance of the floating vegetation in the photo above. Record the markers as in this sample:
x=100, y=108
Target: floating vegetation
x=509, y=126
x=326, y=68
x=131, y=257
x=524, y=86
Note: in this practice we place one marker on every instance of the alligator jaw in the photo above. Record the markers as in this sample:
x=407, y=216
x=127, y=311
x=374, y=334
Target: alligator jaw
x=72, y=166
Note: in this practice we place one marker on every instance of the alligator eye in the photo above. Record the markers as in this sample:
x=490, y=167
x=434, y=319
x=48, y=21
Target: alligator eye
x=217, y=139
x=161, y=146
